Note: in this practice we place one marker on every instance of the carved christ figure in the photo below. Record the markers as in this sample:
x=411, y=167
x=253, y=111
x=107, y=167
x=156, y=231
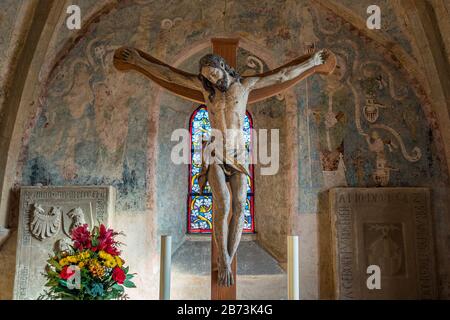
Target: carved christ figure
x=226, y=94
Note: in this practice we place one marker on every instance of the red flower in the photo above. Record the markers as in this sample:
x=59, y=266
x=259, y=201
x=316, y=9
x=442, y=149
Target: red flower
x=106, y=241
x=66, y=273
x=118, y=275
x=81, y=237
x=105, y=234
x=112, y=251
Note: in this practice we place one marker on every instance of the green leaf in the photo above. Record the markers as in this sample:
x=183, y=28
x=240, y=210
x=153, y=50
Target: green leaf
x=129, y=284
x=67, y=294
x=51, y=273
x=55, y=264
x=52, y=283
x=118, y=287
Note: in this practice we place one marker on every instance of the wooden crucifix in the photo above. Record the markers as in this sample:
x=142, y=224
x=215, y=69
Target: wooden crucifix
x=226, y=94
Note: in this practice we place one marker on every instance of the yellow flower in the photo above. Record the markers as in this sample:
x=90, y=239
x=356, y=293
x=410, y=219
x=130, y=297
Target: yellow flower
x=96, y=269
x=82, y=256
x=119, y=261
x=105, y=256
x=110, y=263
x=63, y=262
x=72, y=259
x=93, y=262
x=81, y=265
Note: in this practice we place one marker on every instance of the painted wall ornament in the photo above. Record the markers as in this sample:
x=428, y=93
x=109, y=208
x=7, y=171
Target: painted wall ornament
x=373, y=83
x=331, y=120
x=416, y=152
x=168, y=24
x=371, y=109
x=376, y=73
x=336, y=178
x=382, y=170
x=255, y=66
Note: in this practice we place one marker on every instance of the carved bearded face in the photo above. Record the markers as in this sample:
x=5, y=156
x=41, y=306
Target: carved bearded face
x=212, y=74
x=215, y=73
x=217, y=76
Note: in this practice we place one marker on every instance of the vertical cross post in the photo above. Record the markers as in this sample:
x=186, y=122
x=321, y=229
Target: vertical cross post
x=227, y=48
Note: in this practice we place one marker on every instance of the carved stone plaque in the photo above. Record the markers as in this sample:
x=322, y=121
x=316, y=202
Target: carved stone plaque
x=46, y=215
x=387, y=227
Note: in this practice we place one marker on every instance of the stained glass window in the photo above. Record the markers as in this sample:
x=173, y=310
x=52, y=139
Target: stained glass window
x=200, y=206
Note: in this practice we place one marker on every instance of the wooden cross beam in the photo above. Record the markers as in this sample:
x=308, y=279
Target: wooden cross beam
x=227, y=48
x=255, y=95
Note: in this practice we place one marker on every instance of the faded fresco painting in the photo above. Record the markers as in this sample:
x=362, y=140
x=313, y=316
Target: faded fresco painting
x=362, y=126
x=94, y=116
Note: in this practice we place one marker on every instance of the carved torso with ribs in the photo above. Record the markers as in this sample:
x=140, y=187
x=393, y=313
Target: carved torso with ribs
x=227, y=111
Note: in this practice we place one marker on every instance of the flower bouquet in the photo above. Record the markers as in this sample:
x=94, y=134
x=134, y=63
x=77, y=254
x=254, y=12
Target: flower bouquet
x=90, y=268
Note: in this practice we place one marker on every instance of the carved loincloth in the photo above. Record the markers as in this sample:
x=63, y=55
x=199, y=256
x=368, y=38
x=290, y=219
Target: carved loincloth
x=229, y=164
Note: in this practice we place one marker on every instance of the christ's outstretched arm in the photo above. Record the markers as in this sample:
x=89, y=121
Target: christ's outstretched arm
x=286, y=73
x=130, y=58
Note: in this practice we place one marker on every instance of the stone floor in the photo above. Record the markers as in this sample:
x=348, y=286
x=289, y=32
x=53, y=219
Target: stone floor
x=259, y=275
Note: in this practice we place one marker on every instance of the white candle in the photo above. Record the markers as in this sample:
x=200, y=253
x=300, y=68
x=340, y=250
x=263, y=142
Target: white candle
x=165, y=266
x=293, y=276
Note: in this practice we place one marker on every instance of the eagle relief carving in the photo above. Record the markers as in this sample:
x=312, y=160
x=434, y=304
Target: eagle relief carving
x=45, y=225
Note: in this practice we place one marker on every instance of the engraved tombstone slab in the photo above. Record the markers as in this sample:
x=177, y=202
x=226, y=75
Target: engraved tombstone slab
x=387, y=227
x=46, y=215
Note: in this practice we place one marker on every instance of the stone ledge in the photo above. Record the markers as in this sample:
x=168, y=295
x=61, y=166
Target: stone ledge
x=253, y=287
x=4, y=234
x=207, y=237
